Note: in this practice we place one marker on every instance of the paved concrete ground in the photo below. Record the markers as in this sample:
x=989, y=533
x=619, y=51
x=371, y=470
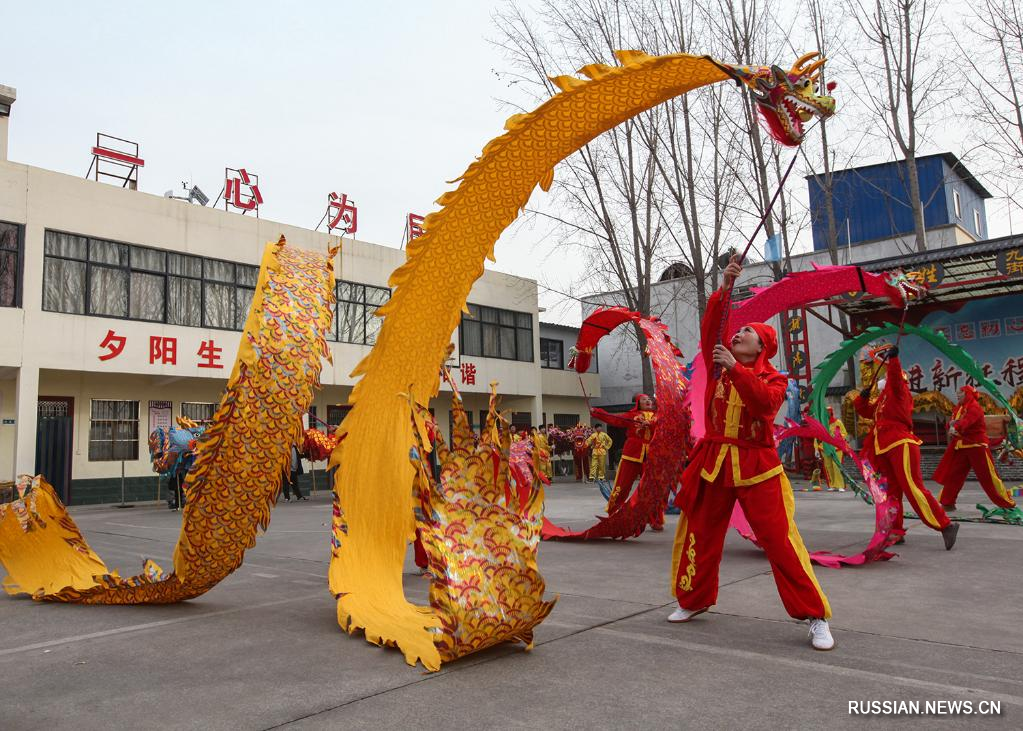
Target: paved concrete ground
x=263, y=650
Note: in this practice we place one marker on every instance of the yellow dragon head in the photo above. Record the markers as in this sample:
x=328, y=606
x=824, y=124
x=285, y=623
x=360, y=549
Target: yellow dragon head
x=787, y=99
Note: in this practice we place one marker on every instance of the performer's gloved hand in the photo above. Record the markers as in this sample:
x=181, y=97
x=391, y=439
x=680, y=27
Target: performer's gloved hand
x=865, y=394
x=892, y=352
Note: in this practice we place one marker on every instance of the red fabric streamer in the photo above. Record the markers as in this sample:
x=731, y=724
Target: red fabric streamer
x=666, y=455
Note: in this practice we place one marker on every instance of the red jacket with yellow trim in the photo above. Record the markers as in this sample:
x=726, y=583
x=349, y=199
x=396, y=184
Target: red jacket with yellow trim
x=639, y=426
x=892, y=413
x=968, y=421
x=741, y=406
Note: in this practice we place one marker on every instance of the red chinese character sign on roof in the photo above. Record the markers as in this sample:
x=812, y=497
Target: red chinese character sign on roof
x=342, y=213
x=241, y=190
x=117, y=159
x=414, y=226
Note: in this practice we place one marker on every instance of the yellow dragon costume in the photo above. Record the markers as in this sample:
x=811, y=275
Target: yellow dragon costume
x=230, y=490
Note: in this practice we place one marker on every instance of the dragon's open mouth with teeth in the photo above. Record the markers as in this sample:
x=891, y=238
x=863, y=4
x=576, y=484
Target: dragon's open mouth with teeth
x=787, y=100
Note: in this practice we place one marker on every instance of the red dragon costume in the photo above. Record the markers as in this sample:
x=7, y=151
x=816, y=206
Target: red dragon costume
x=639, y=425
x=968, y=449
x=737, y=460
x=893, y=449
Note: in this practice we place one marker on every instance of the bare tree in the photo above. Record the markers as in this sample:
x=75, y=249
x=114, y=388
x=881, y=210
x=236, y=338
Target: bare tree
x=692, y=144
x=606, y=192
x=992, y=49
x=654, y=183
x=750, y=32
x=902, y=79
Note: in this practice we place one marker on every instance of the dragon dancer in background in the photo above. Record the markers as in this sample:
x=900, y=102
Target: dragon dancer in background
x=543, y=446
x=833, y=465
x=580, y=452
x=968, y=449
x=893, y=449
x=599, y=443
x=639, y=423
x=737, y=460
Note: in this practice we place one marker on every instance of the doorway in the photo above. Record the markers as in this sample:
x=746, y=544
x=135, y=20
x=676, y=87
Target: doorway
x=54, y=442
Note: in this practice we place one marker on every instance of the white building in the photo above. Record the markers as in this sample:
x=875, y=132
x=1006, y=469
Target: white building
x=122, y=309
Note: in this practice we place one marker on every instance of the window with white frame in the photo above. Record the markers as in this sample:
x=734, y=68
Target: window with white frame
x=957, y=203
x=976, y=222
x=114, y=431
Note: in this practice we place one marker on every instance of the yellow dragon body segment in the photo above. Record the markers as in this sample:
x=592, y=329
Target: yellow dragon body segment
x=231, y=488
x=480, y=527
x=373, y=520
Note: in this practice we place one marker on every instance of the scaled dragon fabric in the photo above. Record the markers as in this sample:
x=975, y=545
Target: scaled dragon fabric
x=480, y=527
x=373, y=517
x=662, y=467
x=242, y=454
x=240, y=458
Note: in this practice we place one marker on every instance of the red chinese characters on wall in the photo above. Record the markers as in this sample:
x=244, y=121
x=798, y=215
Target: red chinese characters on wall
x=468, y=373
x=342, y=213
x=210, y=355
x=990, y=328
x=114, y=344
x=163, y=350
x=966, y=331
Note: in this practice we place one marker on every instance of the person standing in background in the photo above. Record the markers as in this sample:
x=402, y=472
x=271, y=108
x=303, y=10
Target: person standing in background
x=599, y=443
x=291, y=483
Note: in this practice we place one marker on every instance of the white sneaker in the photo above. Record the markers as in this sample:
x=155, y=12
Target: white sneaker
x=820, y=635
x=684, y=615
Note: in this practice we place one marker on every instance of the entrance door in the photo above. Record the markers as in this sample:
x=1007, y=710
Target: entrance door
x=54, y=432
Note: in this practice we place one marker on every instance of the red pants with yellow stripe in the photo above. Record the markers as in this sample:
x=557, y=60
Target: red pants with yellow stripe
x=626, y=474
x=901, y=467
x=770, y=508
x=958, y=466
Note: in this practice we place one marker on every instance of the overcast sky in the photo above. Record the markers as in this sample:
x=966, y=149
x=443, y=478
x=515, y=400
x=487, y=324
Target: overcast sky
x=384, y=101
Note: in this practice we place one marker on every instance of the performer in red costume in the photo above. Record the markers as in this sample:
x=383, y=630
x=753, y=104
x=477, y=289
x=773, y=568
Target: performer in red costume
x=968, y=449
x=894, y=451
x=640, y=422
x=737, y=460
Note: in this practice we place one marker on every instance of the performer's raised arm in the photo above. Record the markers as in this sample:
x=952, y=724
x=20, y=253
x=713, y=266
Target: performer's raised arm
x=619, y=420
x=864, y=409
x=710, y=326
